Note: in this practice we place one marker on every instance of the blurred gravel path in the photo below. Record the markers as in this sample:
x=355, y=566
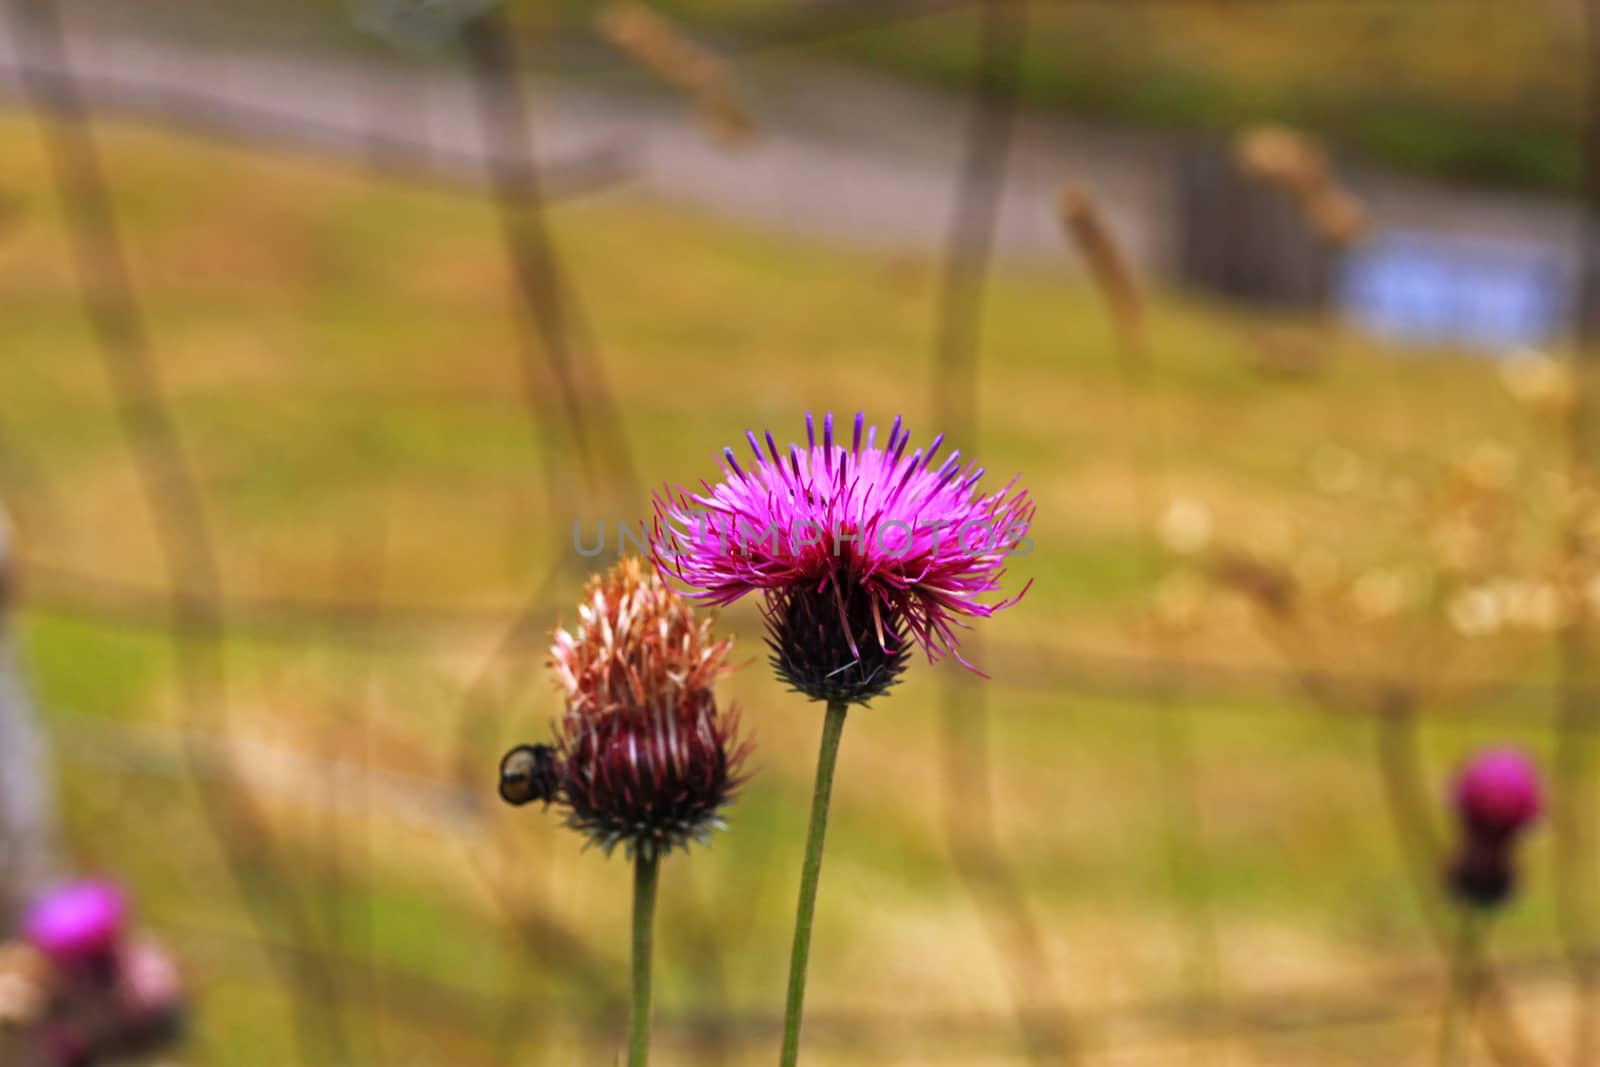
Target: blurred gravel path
x=843, y=155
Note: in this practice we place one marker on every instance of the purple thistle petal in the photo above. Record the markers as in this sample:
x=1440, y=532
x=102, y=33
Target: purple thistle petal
x=898, y=450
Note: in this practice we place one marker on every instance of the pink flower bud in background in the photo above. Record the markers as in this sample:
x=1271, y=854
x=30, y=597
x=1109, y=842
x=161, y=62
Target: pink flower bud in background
x=1496, y=796
x=152, y=1002
x=77, y=924
x=1497, y=793
x=151, y=984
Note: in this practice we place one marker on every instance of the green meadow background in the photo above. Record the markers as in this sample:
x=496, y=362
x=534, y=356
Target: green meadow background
x=1205, y=859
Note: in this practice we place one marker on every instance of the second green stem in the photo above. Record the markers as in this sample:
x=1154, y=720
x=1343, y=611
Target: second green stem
x=810, y=873
x=644, y=913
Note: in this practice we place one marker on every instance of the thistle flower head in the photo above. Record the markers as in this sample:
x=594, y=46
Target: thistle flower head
x=1497, y=794
x=854, y=545
x=641, y=756
x=77, y=924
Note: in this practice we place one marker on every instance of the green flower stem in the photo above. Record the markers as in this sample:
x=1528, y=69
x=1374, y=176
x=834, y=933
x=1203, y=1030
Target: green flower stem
x=832, y=730
x=645, y=871
x=1461, y=1000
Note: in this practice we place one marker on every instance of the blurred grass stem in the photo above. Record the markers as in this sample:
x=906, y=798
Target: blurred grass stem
x=1462, y=997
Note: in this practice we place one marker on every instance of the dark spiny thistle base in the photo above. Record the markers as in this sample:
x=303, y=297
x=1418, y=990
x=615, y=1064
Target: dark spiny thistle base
x=811, y=644
x=1482, y=874
x=631, y=781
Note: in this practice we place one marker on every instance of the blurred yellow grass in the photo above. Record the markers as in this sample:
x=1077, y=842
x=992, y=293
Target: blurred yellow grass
x=340, y=355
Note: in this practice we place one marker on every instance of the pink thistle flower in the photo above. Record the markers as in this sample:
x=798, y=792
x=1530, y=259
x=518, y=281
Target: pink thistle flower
x=79, y=924
x=1497, y=794
x=852, y=546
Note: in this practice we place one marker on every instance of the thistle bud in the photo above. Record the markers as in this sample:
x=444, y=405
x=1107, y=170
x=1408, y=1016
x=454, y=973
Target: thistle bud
x=79, y=926
x=1496, y=797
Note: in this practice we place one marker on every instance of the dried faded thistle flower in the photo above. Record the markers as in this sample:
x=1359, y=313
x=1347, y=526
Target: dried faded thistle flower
x=655, y=44
x=641, y=756
x=1089, y=230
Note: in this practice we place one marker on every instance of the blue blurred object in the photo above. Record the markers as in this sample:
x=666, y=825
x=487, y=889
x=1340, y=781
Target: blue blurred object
x=1484, y=293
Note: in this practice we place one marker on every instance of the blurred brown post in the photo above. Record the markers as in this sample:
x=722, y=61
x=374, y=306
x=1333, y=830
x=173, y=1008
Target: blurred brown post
x=1246, y=240
x=27, y=827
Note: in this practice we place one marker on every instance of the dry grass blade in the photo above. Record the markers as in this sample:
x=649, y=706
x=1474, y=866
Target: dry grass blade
x=1086, y=226
x=1287, y=159
x=662, y=49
